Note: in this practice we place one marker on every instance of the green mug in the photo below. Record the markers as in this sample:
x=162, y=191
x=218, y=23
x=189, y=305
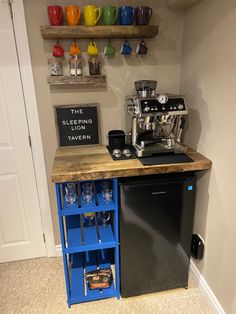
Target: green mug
x=109, y=50
x=109, y=15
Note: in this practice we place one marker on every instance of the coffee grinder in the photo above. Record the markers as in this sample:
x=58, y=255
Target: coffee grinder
x=157, y=120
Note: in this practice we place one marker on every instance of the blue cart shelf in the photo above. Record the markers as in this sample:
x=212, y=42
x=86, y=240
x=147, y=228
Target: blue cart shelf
x=87, y=248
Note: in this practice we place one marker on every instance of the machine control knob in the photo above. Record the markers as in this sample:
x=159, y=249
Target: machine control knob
x=162, y=98
x=146, y=109
x=180, y=106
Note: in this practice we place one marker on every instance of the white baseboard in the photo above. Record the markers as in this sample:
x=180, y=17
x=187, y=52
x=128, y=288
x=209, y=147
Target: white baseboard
x=58, y=250
x=206, y=290
x=199, y=279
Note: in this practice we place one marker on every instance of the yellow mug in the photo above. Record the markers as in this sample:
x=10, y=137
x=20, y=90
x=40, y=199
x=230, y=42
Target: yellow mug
x=92, y=49
x=72, y=13
x=91, y=14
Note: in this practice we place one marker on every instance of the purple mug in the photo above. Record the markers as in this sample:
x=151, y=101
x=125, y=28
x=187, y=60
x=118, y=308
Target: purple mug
x=142, y=15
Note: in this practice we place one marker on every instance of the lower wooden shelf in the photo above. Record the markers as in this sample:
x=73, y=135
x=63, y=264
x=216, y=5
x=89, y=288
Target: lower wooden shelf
x=84, y=80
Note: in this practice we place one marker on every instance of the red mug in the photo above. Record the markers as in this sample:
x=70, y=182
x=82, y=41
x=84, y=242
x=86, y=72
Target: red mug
x=55, y=15
x=58, y=51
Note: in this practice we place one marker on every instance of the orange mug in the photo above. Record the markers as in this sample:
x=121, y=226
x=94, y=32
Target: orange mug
x=72, y=13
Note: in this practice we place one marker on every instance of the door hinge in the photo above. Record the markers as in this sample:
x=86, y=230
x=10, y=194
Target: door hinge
x=30, y=142
x=44, y=239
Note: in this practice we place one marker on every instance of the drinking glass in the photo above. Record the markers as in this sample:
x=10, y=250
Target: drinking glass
x=87, y=196
x=105, y=184
x=107, y=195
x=104, y=217
x=70, y=187
x=89, y=217
x=70, y=198
x=87, y=186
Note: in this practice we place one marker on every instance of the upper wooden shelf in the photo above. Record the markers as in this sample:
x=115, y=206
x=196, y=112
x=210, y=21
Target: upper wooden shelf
x=103, y=31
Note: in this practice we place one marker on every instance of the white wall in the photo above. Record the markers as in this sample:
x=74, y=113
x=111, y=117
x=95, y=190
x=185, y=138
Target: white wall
x=208, y=78
x=162, y=64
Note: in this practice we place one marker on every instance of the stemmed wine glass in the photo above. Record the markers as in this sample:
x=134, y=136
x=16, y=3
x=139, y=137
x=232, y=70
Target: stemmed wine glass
x=89, y=217
x=107, y=195
x=104, y=217
x=87, y=196
x=105, y=184
x=87, y=186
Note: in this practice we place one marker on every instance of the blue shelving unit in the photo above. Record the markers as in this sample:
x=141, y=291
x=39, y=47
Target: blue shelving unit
x=86, y=248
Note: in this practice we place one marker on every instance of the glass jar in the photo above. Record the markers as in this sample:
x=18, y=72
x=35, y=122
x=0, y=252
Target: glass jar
x=94, y=66
x=55, y=67
x=75, y=64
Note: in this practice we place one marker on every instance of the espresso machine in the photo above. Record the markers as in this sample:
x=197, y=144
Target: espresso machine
x=157, y=120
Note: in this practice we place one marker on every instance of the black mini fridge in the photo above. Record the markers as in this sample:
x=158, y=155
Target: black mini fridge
x=156, y=222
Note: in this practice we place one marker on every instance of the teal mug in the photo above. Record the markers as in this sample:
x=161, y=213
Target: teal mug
x=109, y=15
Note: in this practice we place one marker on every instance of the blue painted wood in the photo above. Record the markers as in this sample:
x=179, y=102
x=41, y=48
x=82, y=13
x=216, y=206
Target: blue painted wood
x=116, y=228
x=92, y=253
x=77, y=278
x=67, y=210
x=74, y=210
x=91, y=241
x=77, y=275
x=66, y=274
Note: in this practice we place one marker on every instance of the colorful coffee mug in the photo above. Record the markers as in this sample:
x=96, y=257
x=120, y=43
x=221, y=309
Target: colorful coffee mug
x=126, y=15
x=74, y=49
x=109, y=50
x=92, y=15
x=72, y=13
x=58, y=51
x=142, y=15
x=92, y=49
x=142, y=48
x=126, y=49
x=55, y=15
x=109, y=15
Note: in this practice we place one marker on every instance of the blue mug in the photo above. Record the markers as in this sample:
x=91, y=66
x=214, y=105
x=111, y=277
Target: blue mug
x=126, y=49
x=126, y=15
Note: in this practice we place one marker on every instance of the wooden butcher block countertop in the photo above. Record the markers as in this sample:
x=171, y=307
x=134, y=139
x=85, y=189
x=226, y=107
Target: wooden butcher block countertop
x=90, y=163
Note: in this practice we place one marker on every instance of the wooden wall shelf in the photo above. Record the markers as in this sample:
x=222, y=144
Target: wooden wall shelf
x=99, y=32
x=85, y=80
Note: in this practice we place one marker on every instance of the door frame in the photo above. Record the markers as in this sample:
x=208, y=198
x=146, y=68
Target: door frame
x=22, y=46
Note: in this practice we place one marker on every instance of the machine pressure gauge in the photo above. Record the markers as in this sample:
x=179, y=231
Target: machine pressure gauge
x=162, y=98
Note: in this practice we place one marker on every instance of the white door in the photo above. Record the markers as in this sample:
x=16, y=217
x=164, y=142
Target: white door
x=21, y=234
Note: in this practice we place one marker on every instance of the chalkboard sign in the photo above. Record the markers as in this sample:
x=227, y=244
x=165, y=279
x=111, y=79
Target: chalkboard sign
x=77, y=125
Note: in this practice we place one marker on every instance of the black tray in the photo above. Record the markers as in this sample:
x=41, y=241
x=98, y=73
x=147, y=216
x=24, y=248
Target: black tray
x=165, y=159
x=133, y=156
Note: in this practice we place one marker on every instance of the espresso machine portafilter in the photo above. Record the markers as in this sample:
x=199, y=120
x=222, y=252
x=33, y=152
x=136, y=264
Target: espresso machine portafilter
x=157, y=120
